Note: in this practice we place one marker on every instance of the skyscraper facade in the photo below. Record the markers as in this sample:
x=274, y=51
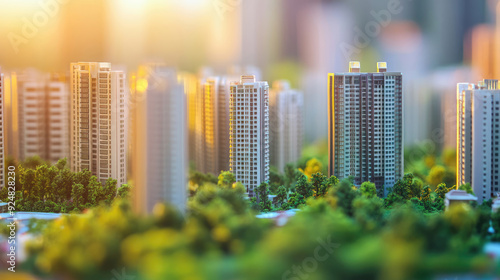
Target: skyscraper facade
x=43, y=115
x=286, y=113
x=98, y=120
x=191, y=88
x=249, y=132
x=478, y=133
x=213, y=155
x=365, y=125
x=159, y=140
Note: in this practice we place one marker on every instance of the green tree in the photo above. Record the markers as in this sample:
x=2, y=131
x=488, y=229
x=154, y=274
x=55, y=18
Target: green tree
x=332, y=181
x=26, y=181
x=319, y=184
x=109, y=191
x=198, y=178
x=368, y=190
x=78, y=194
x=33, y=162
x=303, y=187
x=282, y=198
x=344, y=195
x=83, y=177
x=295, y=200
x=63, y=184
x=93, y=191
x=61, y=164
x=466, y=187
x=416, y=186
x=263, y=198
x=275, y=181
x=124, y=191
x=226, y=179
x=442, y=190
x=426, y=194
x=41, y=181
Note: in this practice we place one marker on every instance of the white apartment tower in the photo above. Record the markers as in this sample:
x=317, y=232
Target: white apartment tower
x=478, y=137
x=286, y=107
x=249, y=132
x=159, y=140
x=43, y=115
x=98, y=120
x=213, y=113
x=365, y=125
x=2, y=131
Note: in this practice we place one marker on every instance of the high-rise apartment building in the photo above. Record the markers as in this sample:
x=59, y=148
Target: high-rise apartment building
x=159, y=140
x=191, y=88
x=365, y=125
x=2, y=131
x=213, y=139
x=249, y=132
x=43, y=115
x=98, y=120
x=286, y=109
x=478, y=137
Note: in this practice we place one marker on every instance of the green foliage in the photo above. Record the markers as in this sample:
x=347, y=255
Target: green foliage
x=198, y=178
x=46, y=188
x=296, y=200
x=234, y=197
x=368, y=190
x=369, y=212
x=282, y=199
x=262, y=197
x=34, y=162
x=441, y=190
x=275, y=181
x=344, y=194
x=226, y=179
x=220, y=238
x=303, y=187
x=319, y=184
x=61, y=164
x=466, y=187
x=124, y=192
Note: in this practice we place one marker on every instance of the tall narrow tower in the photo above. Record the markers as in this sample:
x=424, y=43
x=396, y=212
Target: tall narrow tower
x=98, y=120
x=43, y=114
x=365, y=125
x=478, y=132
x=159, y=139
x=249, y=132
x=214, y=154
x=286, y=107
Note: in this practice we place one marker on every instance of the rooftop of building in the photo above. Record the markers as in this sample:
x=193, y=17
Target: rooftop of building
x=486, y=84
x=355, y=69
x=459, y=195
x=247, y=80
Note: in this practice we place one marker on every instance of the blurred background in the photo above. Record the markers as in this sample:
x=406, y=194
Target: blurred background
x=434, y=43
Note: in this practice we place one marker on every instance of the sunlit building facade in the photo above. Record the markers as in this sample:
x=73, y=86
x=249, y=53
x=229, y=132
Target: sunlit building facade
x=365, y=125
x=478, y=137
x=213, y=140
x=249, y=132
x=43, y=115
x=98, y=120
x=159, y=140
x=191, y=88
x=286, y=113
